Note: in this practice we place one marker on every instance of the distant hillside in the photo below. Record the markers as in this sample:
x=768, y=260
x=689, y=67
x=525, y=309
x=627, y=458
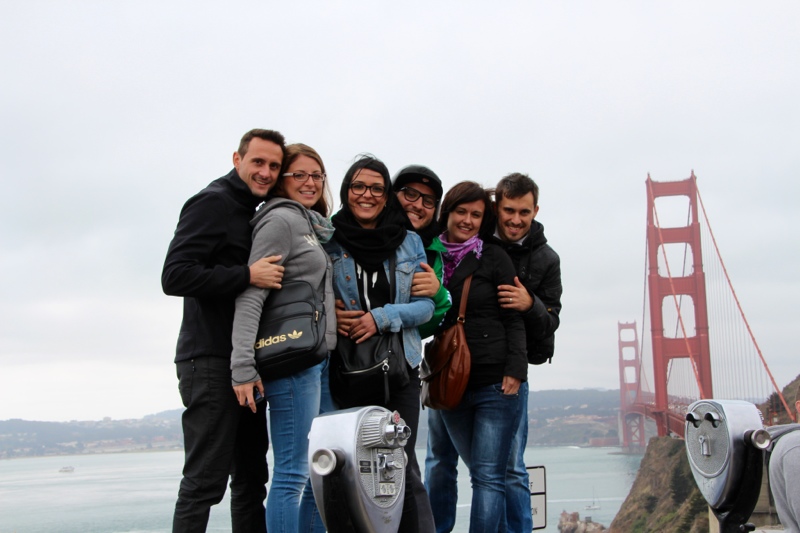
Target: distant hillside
x=563, y=417
x=575, y=398
x=556, y=418
x=21, y=438
x=572, y=417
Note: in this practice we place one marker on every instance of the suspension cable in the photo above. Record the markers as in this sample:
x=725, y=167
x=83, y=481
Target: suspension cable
x=739, y=306
x=642, y=376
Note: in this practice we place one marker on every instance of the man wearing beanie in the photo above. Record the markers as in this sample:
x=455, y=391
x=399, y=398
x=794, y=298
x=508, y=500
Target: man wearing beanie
x=419, y=191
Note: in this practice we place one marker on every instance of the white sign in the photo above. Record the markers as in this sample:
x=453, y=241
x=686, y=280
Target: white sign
x=537, y=483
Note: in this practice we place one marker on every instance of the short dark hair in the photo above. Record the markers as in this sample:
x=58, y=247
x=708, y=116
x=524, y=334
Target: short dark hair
x=370, y=162
x=265, y=135
x=465, y=192
x=516, y=185
x=291, y=153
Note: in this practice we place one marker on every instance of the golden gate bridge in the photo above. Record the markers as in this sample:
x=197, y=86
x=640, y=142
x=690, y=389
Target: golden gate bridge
x=679, y=357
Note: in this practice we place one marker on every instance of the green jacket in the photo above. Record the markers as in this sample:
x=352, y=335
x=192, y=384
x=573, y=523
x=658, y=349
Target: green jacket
x=441, y=300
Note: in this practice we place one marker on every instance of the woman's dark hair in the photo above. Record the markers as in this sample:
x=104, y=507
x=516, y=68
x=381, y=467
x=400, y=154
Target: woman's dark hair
x=370, y=162
x=464, y=193
x=292, y=152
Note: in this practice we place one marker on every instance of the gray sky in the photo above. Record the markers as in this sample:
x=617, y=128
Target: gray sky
x=113, y=113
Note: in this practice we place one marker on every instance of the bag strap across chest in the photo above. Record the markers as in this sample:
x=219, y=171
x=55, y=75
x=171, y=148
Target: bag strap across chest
x=462, y=308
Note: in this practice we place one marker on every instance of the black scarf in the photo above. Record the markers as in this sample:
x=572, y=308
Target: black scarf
x=371, y=247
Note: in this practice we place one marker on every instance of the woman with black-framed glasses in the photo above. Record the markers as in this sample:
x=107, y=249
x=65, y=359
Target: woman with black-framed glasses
x=359, y=188
x=372, y=232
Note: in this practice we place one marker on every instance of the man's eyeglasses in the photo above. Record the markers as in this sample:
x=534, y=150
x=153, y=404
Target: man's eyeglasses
x=412, y=195
x=359, y=188
x=302, y=177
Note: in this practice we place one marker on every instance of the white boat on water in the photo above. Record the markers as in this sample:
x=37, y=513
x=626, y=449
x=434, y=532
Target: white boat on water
x=66, y=469
x=594, y=506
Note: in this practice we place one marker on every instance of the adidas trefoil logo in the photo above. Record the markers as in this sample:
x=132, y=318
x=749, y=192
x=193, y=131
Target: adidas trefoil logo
x=294, y=335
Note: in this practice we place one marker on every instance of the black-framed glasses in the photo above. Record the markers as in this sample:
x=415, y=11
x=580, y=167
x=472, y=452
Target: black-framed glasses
x=302, y=177
x=359, y=188
x=412, y=195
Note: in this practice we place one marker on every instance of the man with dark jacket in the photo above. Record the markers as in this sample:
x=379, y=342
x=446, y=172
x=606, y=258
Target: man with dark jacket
x=536, y=294
x=206, y=264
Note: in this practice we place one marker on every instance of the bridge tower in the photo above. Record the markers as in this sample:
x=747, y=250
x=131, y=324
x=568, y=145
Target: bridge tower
x=630, y=364
x=694, y=347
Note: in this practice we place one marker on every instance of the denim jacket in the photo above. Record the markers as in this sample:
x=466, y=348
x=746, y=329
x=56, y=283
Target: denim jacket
x=407, y=312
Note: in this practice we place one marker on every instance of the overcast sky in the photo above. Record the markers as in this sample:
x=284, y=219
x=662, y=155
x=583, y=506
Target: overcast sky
x=112, y=114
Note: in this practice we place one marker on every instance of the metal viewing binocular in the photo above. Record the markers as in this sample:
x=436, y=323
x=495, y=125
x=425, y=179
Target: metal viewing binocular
x=725, y=441
x=358, y=467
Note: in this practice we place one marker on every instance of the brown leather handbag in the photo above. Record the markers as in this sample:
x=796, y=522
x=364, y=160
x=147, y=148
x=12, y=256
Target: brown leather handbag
x=444, y=371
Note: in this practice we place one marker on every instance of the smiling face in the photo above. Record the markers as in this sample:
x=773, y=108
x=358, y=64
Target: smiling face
x=419, y=215
x=366, y=207
x=307, y=192
x=514, y=217
x=464, y=221
x=259, y=166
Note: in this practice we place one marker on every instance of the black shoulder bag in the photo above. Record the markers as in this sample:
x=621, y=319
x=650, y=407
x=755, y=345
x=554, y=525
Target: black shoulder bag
x=291, y=333
x=365, y=373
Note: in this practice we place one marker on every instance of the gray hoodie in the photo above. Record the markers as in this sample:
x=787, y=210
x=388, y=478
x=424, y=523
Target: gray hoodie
x=280, y=227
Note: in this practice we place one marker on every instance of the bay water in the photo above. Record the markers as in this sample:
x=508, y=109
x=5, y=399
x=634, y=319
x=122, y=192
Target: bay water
x=135, y=492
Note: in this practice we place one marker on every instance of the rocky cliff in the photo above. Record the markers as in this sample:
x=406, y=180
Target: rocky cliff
x=664, y=497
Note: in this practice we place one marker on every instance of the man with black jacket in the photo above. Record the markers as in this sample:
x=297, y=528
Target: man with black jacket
x=206, y=264
x=536, y=294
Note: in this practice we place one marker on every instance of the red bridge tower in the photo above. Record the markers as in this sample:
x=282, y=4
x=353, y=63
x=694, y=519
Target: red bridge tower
x=692, y=345
x=630, y=365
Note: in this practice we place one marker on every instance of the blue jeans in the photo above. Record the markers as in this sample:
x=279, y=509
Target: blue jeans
x=518, y=492
x=441, y=473
x=293, y=401
x=310, y=519
x=482, y=427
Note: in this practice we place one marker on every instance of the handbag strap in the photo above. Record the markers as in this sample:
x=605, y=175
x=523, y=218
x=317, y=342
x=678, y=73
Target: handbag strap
x=462, y=308
x=327, y=260
x=392, y=275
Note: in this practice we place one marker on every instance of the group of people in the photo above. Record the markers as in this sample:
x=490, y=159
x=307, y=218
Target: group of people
x=384, y=263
